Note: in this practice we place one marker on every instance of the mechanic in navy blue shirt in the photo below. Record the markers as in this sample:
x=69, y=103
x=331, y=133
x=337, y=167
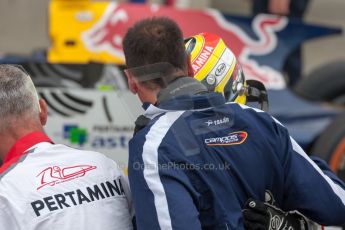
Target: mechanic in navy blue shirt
x=199, y=159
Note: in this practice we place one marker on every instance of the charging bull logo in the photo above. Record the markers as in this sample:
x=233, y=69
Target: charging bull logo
x=107, y=34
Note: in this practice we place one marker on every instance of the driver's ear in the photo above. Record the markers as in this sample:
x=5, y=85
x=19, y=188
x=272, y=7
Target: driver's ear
x=189, y=66
x=43, y=111
x=132, y=83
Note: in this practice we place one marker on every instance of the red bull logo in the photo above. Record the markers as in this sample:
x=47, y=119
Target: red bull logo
x=107, y=34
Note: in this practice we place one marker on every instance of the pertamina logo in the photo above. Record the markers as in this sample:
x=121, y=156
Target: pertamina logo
x=202, y=58
x=234, y=138
x=55, y=175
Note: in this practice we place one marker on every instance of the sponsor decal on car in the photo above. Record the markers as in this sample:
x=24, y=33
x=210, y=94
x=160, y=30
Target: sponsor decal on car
x=234, y=138
x=103, y=136
x=75, y=134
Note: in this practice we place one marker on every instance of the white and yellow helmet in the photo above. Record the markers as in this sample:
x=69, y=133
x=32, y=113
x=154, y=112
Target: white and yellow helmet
x=216, y=66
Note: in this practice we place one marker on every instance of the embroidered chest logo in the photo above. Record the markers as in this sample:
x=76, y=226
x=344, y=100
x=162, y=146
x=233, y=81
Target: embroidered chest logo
x=54, y=175
x=220, y=121
x=234, y=138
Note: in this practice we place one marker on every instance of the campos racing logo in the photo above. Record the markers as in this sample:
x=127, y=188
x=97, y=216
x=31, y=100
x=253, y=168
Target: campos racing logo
x=234, y=138
x=55, y=175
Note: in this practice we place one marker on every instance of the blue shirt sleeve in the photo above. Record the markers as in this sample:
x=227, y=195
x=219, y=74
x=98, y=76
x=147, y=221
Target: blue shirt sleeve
x=310, y=186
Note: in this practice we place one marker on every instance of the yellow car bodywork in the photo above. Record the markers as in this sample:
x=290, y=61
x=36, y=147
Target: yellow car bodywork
x=70, y=25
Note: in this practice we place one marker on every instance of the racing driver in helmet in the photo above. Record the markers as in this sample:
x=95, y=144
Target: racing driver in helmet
x=216, y=66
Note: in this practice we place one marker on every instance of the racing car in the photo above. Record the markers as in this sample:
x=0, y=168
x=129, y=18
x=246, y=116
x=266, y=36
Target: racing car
x=81, y=75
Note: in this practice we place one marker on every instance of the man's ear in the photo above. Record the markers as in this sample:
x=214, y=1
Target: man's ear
x=189, y=66
x=43, y=111
x=132, y=83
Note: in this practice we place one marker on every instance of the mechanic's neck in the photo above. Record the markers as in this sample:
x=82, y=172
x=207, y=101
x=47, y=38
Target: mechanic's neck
x=181, y=86
x=10, y=135
x=147, y=96
x=157, y=95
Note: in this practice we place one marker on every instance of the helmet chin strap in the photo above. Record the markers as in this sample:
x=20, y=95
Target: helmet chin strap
x=256, y=92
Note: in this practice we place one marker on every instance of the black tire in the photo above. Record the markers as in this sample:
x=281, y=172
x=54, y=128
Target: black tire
x=330, y=145
x=325, y=83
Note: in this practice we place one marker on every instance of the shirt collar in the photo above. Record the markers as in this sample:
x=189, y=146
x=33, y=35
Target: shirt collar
x=24, y=143
x=186, y=102
x=146, y=105
x=180, y=87
x=193, y=102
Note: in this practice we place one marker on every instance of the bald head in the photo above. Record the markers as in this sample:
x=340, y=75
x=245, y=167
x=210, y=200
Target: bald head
x=18, y=96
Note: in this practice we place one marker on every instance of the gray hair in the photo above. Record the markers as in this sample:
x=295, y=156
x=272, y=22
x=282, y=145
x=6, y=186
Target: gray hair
x=18, y=96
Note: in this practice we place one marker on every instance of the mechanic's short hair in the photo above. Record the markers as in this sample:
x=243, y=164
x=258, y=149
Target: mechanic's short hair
x=154, y=40
x=18, y=95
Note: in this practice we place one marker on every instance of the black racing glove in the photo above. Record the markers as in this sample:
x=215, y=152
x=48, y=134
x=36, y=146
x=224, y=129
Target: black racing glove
x=263, y=216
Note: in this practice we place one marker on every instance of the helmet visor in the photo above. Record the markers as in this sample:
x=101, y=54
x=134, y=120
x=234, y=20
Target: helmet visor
x=235, y=86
